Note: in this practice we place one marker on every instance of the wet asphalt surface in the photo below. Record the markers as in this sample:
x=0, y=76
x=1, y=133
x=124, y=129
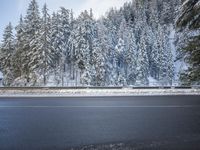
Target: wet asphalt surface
x=155, y=122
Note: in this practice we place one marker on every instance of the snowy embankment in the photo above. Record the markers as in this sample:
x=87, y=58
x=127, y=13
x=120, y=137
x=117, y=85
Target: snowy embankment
x=71, y=92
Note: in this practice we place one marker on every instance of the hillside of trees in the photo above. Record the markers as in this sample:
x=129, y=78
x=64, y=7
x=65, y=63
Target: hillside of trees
x=125, y=47
x=188, y=45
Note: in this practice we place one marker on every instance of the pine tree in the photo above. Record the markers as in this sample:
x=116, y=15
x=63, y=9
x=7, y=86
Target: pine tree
x=85, y=34
x=189, y=20
x=120, y=60
x=46, y=53
x=110, y=35
x=99, y=65
x=166, y=16
x=7, y=50
x=153, y=10
x=18, y=58
x=106, y=46
x=56, y=45
x=32, y=25
x=81, y=51
x=130, y=57
x=72, y=57
x=155, y=56
x=64, y=34
x=166, y=68
x=123, y=35
x=189, y=14
x=80, y=46
x=121, y=49
x=142, y=63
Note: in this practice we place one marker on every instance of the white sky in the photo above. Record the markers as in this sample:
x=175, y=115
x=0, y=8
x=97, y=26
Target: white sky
x=99, y=6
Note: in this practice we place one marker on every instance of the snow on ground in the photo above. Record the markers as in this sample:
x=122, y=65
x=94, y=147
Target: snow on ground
x=178, y=64
x=46, y=92
x=1, y=75
x=153, y=82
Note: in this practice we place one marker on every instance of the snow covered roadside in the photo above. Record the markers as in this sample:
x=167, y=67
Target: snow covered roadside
x=94, y=92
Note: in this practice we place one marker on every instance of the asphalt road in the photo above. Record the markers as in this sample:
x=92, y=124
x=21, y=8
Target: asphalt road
x=168, y=122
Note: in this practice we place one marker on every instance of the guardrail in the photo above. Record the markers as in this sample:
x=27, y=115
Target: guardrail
x=69, y=87
x=94, y=87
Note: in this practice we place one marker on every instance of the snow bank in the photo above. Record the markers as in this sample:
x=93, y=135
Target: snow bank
x=94, y=92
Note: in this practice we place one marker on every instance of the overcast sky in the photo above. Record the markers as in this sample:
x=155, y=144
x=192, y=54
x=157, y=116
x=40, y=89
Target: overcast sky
x=10, y=10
